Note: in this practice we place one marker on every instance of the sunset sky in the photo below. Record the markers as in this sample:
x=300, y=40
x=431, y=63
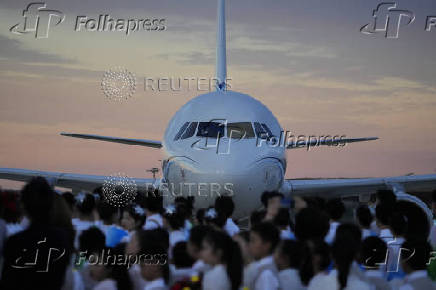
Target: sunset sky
x=307, y=61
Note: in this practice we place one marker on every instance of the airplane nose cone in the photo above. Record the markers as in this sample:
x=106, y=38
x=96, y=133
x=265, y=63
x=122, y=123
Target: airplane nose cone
x=185, y=177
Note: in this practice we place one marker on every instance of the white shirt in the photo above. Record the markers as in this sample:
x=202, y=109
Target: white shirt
x=289, y=279
x=153, y=222
x=330, y=237
x=231, y=228
x=386, y=235
x=158, y=284
x=330, y=282
x=413, y=276
x=267, y=279
x=107, y=284
x=216, y=278
x=200, y=267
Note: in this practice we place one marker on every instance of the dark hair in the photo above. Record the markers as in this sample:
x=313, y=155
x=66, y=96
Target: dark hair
x=268, y=233
x=416, y=253
x=181, y=258
x=175, y=219
x=283, y=218
x=311, y=249
x=433, y=196
x=119, y=271
x=293, y=252
x=219, y=220
x=200, y=215
x=92, y=240
x=225, y=205
x=364, y=216
x=153, y=201
x=267, y=195
x=155, y=242
x=417, y=225
x=106, y=211
x=383, y=212
x=398, y=223
x=311, y=224
x=335, y=208
x=257, y=216
x=373, y=252
x=87, y=205
x=185, y=205
x=69, y=198
x=316, y=202
x=231, y=255
x=345, y=248
x=197, y=234
x=136, y=216
x=386, y=196
x=37, y=198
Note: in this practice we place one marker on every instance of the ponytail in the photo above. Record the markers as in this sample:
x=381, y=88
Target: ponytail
x=231, y=255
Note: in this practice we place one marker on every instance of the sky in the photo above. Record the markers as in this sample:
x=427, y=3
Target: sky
x=307, y=61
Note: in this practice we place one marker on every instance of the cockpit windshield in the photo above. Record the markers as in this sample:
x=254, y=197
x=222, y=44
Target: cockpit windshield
x=236, y=130
x=210, y=129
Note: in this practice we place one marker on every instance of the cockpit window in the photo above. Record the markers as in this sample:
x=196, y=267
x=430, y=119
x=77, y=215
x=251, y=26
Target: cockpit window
x=190, y=131
x=262, y=131
x=241, y=130
x=182, y=129
x=210, y=129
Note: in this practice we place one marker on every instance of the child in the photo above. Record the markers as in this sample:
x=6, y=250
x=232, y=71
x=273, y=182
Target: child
x=288, y=258
x=173, y=222
x=194, y=246
x=262, y=274
x=372, y=255
x=224, y=255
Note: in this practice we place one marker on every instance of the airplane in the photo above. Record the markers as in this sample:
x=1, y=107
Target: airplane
x=222, y=142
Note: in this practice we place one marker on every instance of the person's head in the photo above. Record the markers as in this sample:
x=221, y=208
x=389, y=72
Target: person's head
x=37, y=199
x=219, y=248
x=386, y=196
x=315, y=259
x=398, y=223
x=85, y=205
x=373, y=253
x=114, y=269
x=364, y=217
x=153, y=203
x=415, y=255
x=214, y=218
x=257, y=216
x=264, y=238
x=283, y=219
x=185, y=205
x=311, y=224
x=107, y=213
x=345, y=249
x=181, y=258
x=224, y=205
x=243, y=239
x=173, y=219
x=91, y=241
x=153, y=245
x=60, y=217
x=195, y=241
x=335, y=209
x=289, y=254
x=271, y=200
x=133, y=218
x=69, y=199
x=383, y=212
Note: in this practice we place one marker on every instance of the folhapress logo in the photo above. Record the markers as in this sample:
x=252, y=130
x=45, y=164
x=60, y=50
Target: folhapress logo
x=388, y=19
x=38, y=19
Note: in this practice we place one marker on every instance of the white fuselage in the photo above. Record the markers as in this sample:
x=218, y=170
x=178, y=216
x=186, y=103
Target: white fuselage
x=229, y=161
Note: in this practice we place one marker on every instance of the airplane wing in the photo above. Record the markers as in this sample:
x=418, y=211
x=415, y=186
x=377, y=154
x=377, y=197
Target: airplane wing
x=141, y=142
x=356, y=186
x=326, y=141
x=68, y=180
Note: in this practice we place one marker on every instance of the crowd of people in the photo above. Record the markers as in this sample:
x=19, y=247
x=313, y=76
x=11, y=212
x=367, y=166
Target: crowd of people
x=56, y=240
